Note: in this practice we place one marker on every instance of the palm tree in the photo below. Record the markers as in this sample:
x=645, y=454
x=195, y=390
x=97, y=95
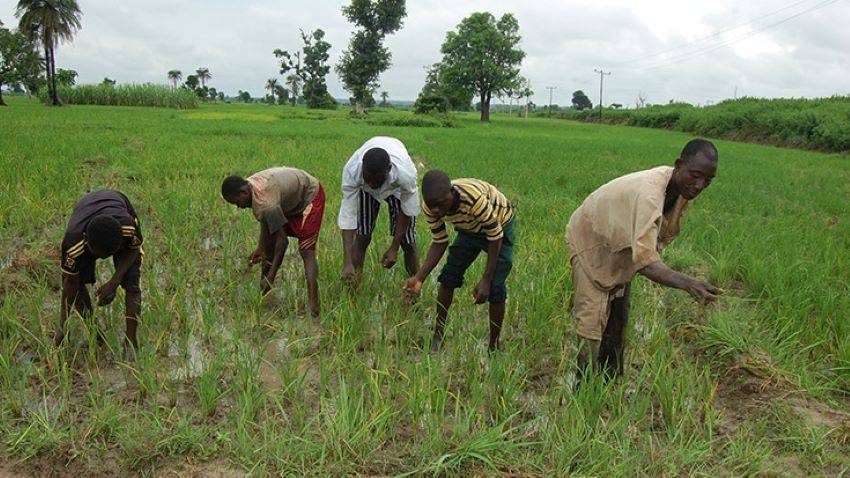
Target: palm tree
x=294, y=83
x=271, y=85
x=49, y=21
x=203, y=75
x=175, y=76
x=384, y=96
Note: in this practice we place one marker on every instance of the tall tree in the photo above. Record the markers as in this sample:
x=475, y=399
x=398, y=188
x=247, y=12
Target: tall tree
x=483, y=56
x=282, y=95
x=203, y=75
x=50, y=21
x=384, y=97
x=581, y=101
x=271, y=85
x=175, y=76
x=294, y=83
x=19, y=60
x=191, y=83
x=366, y=57
x=312, y=71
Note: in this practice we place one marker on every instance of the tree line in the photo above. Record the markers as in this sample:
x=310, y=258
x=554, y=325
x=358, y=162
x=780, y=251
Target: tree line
x=481, y=59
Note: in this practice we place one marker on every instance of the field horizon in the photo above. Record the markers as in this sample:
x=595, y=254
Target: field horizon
x=228, y=384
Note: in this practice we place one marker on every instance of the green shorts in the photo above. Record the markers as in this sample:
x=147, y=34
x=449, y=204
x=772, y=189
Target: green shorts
x=465, y=249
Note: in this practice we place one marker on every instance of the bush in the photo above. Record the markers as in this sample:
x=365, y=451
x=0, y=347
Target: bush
x=405, y=119
x=124, y=95
x=822, y=124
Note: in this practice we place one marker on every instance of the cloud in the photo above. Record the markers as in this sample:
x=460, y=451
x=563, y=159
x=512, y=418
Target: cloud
x=639, y=42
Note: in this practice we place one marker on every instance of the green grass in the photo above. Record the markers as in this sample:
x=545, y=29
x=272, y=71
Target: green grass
x=161, y=96
x=224, y=380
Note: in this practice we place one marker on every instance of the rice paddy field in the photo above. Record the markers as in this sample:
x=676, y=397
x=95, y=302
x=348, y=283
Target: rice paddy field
x=229, y=384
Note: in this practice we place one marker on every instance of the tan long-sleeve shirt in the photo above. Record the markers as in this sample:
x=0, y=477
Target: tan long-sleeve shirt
x=621, y=227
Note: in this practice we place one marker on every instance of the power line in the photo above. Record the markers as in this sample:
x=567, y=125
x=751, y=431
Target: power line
x=689, y=55
x=714, y=35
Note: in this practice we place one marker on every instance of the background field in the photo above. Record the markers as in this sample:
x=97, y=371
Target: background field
x=227, y=382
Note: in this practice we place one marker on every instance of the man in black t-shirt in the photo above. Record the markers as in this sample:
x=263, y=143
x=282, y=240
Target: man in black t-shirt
x=103, y=224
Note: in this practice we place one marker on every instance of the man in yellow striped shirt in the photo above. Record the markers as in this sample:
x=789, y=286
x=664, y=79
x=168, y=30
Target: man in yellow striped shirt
x=484, y=221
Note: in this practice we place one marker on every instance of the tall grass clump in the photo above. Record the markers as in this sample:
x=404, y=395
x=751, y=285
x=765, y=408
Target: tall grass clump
x=126, y=95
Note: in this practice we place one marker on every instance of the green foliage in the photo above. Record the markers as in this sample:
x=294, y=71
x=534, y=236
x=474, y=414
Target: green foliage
x=125, y=95
x=66, y=77
x=483, y=56
x=174, y=76
x=822, y=124
x=20, y=62
x=244, y=97
x=313, y=71
x=440, y=95
x=581, y=101
x=366, y=57
x=108, y=82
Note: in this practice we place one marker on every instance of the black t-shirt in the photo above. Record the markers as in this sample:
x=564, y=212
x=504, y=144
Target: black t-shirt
x=75, y=254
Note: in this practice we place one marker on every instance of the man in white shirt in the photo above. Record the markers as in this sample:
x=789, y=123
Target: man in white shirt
x=380, y=170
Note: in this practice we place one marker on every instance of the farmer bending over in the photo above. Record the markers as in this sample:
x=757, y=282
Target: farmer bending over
x=620, y=230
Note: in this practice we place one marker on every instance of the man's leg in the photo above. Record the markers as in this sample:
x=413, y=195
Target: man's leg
x=132, y=308
x=462, y=254
x=498, y=288
x=311, y=271
x=366, y=219
x=612, y=348
x=80, y=302
x=445, y=295
x=408, y=242
x=497, y=316
x=591, y=308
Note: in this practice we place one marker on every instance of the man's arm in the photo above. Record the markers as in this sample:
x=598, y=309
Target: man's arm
x=280, y=243
x=435, y=253
x=660, y=273
x=259, y=254
x=106, y=293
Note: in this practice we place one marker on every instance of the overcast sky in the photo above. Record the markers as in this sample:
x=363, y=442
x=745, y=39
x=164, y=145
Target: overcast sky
x=658, y=47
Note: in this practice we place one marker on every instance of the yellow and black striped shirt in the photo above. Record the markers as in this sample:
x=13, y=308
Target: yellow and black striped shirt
x=481, y=209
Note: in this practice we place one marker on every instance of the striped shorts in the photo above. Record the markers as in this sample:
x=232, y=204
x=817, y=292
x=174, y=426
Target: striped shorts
x=367, y=217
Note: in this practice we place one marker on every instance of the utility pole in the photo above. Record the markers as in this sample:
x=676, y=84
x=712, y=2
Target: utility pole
x=602, y=74
x=550, y=88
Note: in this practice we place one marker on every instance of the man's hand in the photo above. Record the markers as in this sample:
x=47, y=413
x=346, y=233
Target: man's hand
x=106, y=293
x=481, y=291
x=413, y=285
x=702, y=291
x=256, y=257
x=389, y=259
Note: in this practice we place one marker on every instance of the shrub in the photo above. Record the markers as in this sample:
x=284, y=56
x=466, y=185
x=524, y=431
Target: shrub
x=125, y=95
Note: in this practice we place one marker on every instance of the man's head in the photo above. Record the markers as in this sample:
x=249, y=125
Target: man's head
x=695, y=168
x=236, y=190
x=103, y=236
x=437, y=192
x=376, y=167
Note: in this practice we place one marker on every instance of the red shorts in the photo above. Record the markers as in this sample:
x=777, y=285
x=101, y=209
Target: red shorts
x=306, y=225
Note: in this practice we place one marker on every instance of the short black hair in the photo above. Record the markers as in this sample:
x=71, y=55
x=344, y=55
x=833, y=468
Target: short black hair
x=103, y=232
x=376, y=161
x=435, y=184
x=231, y=186
x=699, y=147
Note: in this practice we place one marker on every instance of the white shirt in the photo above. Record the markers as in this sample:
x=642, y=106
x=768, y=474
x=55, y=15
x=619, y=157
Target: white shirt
x=400, y=183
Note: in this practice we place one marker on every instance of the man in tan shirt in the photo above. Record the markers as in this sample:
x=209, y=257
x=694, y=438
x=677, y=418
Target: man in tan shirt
x=286, y=202
x=619, y=231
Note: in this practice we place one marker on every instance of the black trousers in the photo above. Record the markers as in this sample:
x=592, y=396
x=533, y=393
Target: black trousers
x=613, y=346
